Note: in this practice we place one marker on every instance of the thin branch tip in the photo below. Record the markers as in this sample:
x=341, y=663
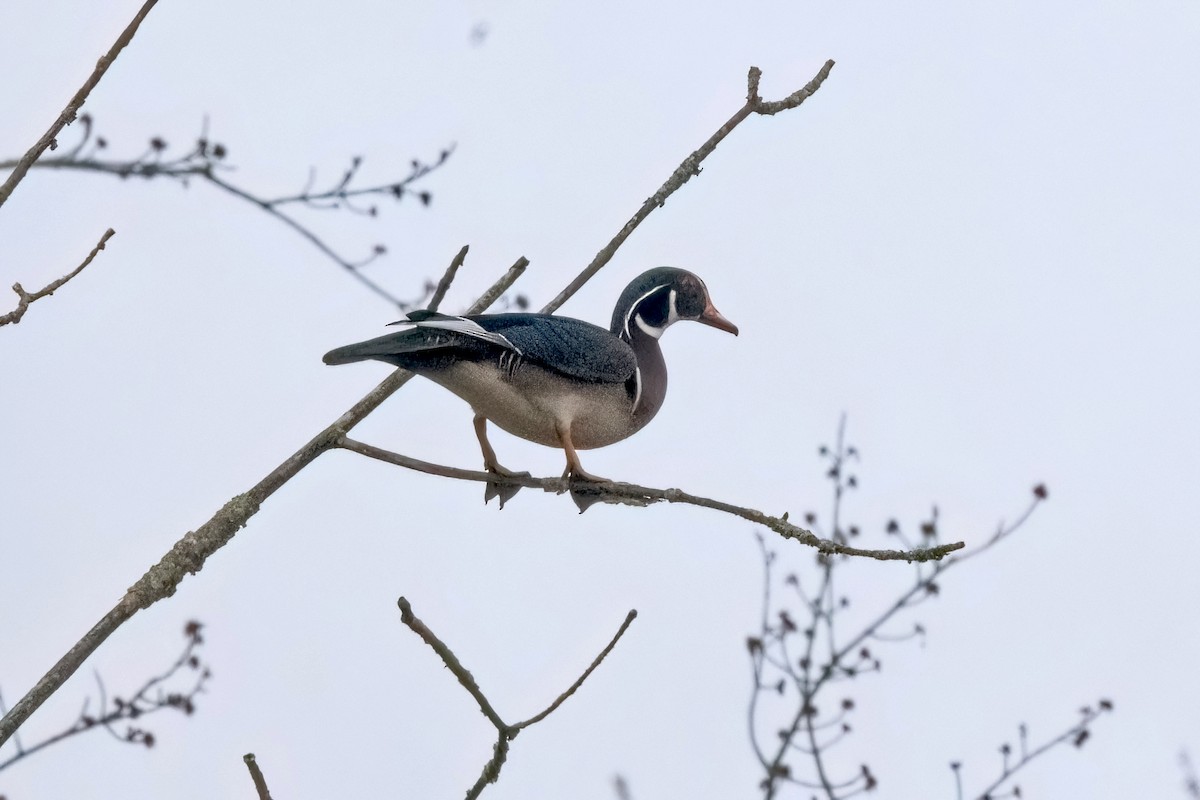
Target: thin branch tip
x=25, y=298
x=443, y=286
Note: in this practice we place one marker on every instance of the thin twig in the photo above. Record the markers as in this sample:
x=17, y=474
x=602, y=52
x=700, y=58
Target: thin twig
x=68, y=114
x=24, y=298
x=562, y=698
x=136, y=707
x=632, y=494
x=260, y=783
x=316, y=241
x=1077, y=734
x=684, y=172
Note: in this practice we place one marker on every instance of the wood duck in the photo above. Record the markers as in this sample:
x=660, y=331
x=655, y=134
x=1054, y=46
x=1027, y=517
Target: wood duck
x=557, y=381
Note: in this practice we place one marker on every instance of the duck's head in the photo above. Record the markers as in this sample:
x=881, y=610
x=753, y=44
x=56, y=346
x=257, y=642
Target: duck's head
x=660, y=297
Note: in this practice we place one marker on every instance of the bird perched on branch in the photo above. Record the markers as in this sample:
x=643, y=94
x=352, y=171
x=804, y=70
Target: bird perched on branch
x=557, y=381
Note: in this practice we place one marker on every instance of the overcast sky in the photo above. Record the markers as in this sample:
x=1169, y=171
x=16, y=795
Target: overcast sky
x=979, y=241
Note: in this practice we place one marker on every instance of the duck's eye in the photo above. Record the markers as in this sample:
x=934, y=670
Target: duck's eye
x=690, y=301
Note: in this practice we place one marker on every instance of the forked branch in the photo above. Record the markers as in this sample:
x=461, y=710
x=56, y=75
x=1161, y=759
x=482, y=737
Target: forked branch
x=506, y=732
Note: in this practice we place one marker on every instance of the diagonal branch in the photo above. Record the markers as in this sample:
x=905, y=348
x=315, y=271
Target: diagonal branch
x=68, y=114
x=24, y=298
x=187, y=556
x=684, y=172
x=450, y=660
x=634, y=495
x=316, y=241
x=574, y=687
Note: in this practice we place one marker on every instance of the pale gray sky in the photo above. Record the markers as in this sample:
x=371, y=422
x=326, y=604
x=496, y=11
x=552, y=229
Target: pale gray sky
x=979, y=240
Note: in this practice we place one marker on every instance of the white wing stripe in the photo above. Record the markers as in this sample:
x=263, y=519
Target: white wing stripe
x=467, y=328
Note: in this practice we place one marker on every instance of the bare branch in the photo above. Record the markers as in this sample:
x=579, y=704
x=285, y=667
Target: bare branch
x=354, y=269
x=204, y=160
x=684, y=172
x=506, y=733
x=260, y=783
x=24, y=298
x=450, y=660
x=634, y=495
x=443, y=286
x=68, y=114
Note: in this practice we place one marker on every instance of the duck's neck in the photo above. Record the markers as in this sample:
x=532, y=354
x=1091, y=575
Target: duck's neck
x=651, y=386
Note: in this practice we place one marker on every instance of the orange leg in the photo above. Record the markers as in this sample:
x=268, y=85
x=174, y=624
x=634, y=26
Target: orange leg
x=489, y=455
x=574, y=468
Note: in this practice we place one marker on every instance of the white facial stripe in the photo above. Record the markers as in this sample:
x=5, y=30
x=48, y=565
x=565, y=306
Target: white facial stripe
x=647, y=328
x=633, y=309
x=467, y=328
x=672, y=312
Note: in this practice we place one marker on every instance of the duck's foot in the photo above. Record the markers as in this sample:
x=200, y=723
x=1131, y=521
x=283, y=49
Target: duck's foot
x=575, y=475
x=586, y=489
x=502, y=489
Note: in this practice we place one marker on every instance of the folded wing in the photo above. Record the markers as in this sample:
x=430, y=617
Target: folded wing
x=569, y=346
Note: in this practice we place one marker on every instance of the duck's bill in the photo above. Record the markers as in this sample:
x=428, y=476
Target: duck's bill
x=710, y=316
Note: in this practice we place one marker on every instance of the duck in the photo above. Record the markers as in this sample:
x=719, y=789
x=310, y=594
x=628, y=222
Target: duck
x=557, y=381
